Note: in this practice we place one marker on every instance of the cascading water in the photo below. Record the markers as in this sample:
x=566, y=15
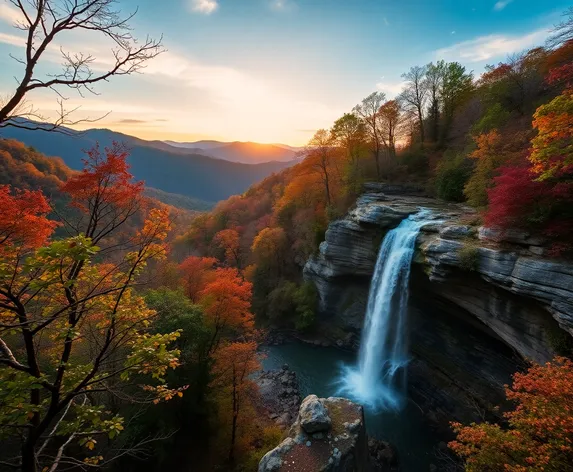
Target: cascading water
x=379, y=379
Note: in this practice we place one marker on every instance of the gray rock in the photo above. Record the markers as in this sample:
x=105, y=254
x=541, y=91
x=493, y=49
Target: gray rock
x=298, y=452
x=313, y=416
x=273, y=460
x=456, y=232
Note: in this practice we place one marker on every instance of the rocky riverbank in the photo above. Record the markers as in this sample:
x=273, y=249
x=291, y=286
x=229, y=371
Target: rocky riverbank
x=279, y=394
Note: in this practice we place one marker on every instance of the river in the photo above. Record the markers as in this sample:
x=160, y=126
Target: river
x=318, y=368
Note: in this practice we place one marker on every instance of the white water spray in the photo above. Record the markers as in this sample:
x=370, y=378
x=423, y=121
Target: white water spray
x=379, y=379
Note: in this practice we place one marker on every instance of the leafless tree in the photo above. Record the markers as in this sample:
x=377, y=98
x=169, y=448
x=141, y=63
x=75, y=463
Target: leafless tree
x=45, y=21
x=367, y=111
x=414, y=94
x=562, y=32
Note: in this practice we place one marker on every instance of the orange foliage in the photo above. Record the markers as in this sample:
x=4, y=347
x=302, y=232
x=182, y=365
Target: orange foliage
x=226, y=302
x=196, y=273
x=234, y=364
x=228, y=239
x=540, y=433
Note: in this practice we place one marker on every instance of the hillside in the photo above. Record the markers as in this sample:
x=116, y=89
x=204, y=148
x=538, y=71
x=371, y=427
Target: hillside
x=161, y=166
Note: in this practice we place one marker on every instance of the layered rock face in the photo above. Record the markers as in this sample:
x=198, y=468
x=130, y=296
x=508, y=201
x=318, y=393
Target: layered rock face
x=481, y=301
x=329, y=435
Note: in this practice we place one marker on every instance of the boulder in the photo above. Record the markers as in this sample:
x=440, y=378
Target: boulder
x=344, y=448
x=313, y=416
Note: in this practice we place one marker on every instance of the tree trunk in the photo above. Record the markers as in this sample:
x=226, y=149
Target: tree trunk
x=234, y=425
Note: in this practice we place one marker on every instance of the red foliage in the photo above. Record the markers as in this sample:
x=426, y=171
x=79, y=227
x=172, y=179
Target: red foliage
x=23, y=221
x=513, y=197
x=105, y=180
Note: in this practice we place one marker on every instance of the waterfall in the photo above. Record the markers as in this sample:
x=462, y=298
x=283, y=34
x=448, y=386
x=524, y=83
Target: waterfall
x=379, y=379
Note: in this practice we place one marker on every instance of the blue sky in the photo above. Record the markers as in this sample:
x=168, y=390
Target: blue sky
x=276, y=70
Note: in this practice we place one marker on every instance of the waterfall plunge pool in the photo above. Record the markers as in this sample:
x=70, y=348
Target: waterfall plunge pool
x=318, y=370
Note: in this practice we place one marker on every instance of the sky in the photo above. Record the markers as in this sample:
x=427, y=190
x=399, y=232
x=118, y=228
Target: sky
x=275, y=71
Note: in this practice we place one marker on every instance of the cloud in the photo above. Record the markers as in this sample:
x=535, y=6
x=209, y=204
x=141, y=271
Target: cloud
x=453, y=32
x=501, y=4
x=485, y=48
x=132, y=121
x=9, y=14
x=12, y=39
x=391, y=89
x=386, y=22
x=205, y=7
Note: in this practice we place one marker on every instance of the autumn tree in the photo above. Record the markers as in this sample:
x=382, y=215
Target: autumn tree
x=367, y=111
x=552, y=153
x=390, y=115
x=72, y=329
x=23, y=222
x=229, y=241
x=415, y=94
x=539, y=435
x=196, y=272
x=226, y=302
x=489, y=157
x=44, y=22
x=319, y=158
x=234, y=365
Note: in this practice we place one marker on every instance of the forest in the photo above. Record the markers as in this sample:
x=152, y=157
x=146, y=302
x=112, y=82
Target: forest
x=130, y=329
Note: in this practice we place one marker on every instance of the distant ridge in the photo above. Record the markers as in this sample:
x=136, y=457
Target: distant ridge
x=162, y=166
x=237, y=151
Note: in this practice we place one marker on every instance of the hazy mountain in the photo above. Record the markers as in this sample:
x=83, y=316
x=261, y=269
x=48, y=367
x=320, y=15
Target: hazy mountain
x=237, y=151
x=204, y=144
x=160, y=165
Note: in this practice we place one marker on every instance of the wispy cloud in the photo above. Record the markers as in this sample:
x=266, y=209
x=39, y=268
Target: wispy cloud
x=390, y=88
x=9, y=14
x=501, y=4
x=12, y=39
x=484, y=48
x=386, y=22
x=206, y=7
x=453, y=32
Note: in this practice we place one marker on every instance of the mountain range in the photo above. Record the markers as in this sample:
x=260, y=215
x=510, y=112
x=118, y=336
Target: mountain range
x=168, y=168
x=243, y=152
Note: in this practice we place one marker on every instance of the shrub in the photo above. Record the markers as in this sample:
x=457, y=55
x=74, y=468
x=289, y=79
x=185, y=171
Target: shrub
x=493, y=118
x=469, y=257
x=539, y=431
x=415, y=161
x=452, y=173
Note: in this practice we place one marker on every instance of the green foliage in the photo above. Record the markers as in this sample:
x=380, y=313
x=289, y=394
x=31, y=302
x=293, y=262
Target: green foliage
x=415, y=160
x=452, y=173
x=468, y=255
x=293, y=304
x=561, y=341
x=493, y=118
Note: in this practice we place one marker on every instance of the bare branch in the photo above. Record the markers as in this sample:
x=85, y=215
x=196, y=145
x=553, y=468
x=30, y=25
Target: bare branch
x=44, y=21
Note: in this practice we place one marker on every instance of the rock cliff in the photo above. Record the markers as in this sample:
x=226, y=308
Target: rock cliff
x=482, y=302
